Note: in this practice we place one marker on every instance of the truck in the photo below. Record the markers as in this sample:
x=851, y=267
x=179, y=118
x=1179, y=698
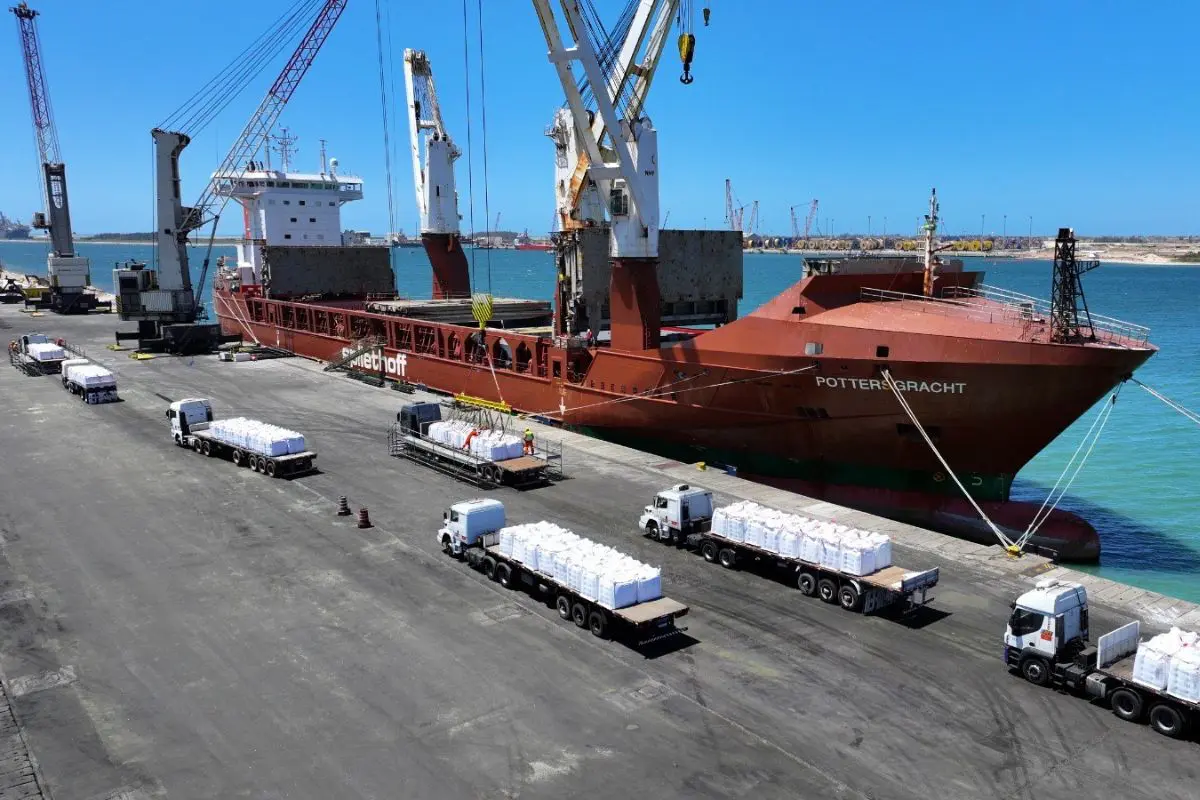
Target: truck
x=35, y=354
x=191, y=420
x=409, y=438
x=92, y=383
x=1046, y=641
x=471, y=532
x=682, y=516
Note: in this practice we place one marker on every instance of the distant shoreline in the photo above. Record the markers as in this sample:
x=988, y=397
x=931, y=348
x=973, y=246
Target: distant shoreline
x=109, y=242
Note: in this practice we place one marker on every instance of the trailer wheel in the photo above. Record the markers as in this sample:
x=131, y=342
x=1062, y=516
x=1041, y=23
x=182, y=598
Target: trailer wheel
x=1036, y=670
x=709, y=551
x=827, y=590
x=727, y=557
x=196, y=445
x=504, y=576
x=272, y=468
x=807, y=584
x=238, y=458
x=563, y=604
x=598, y=624
x=206, y=448
x=1126, y=704
x=849, y=597
x=489, y=567
x=579, y=615
x=1167, y=720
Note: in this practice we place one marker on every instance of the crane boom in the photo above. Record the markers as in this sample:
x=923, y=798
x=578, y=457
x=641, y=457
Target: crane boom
x=808, y=222
x=165, y=296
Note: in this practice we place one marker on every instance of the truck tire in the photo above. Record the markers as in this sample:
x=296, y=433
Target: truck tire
x=598, y=624
x=237, y=458
x=1036, y=670
x=196, y=445
x=489, y=567
x=178, y=440
x=806, y=582
x=206, y=448
x=652, y=529
x=849, y=597
x=579, y=615
x=272, y=469
x=563, y=604
x=1167, y=720
x=709, y=550
x=727, y=557
x=827, y=590
x=447, y=549
x=505, y=577
x=1126, y=704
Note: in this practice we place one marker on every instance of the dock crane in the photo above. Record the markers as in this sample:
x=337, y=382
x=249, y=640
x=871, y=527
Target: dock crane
x=808, y=221
x=610, y=155
x=69, y=273
x=437, y=197
x=163, y=301
x=734, y=213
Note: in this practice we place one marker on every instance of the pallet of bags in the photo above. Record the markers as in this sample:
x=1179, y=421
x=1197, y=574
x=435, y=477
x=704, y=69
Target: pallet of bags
x=1152, y=662
x=44, y=351
x=1183, y=676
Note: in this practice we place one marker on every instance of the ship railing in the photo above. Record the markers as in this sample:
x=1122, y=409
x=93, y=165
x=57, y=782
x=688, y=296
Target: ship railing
x=1001, y=306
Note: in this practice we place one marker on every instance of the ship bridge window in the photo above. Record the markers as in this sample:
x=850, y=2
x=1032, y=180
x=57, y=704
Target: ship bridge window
x=331, y=202
x=301, y=202
x=312, y=219
x=287, y=202
x=287, y=236
x=813, y=348
x=882, y=351
x=293, y=219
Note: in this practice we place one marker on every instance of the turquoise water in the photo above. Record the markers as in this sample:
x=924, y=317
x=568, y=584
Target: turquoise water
x=1138, y=487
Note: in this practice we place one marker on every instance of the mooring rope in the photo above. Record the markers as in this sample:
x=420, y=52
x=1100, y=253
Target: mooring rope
x=1188, y=414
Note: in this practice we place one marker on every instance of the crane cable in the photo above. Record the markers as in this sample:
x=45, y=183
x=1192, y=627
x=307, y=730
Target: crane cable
x=470, y=161
x=1187, y=414
x=487, y=211
x=383, y=102
x=1008, y=543
x=1102, y=419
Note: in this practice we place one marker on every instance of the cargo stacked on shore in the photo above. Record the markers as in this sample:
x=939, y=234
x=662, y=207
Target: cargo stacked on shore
x=92, y=383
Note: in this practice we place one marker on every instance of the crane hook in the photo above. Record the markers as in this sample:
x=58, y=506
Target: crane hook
x=707, y=13
x=687, y=49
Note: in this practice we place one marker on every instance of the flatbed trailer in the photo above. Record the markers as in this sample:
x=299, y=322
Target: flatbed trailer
x=92, y=395
x=639, y=625
x=522, y=471
x=884, y=588
x=202, y=441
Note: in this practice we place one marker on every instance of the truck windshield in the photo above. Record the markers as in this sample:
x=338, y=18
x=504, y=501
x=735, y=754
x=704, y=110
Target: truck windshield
x=660, y=502
x=453, y=515
x=1025, y=622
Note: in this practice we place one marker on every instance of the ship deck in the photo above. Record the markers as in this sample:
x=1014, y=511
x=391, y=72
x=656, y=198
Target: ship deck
x=183, y=628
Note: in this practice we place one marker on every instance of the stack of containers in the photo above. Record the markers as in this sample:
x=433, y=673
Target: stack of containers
x=833, y=546
x=1174, y=654
x=596, y=571
x=257, y=437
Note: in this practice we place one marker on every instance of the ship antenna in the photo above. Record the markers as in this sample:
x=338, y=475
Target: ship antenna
x=930, y=227
x=324, y=162
x=285, y=146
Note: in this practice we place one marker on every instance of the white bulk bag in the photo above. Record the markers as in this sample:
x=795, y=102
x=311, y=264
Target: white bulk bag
x=649, y=584
x=1183, y=676
x=1152, y=662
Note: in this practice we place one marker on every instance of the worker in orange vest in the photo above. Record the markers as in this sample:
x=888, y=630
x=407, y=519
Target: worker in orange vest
x=470, y=436
x=528, y=442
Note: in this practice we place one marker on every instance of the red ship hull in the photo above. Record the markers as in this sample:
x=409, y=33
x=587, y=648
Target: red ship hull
x=793, y=391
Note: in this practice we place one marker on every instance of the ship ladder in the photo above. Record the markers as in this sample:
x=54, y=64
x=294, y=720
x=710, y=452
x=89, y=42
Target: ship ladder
x=1088, y=439
x=1008, y=544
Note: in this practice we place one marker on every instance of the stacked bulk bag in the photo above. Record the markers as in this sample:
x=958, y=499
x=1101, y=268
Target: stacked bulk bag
x=1153, y=661
x=1183, y=676
x=257, y=437
x=597, y=572
x=834, y=547
x=44, y=351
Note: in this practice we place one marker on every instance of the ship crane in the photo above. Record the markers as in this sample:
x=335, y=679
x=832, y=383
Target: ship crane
x=808, y=222
x=625, y=173
x=164, y=301
x=70, y=274
x=437, y=197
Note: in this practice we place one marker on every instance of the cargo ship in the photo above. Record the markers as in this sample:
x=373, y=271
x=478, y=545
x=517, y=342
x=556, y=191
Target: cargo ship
x=791, y=393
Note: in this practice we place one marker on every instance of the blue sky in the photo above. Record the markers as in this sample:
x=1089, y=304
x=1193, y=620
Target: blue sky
x=1077, y=113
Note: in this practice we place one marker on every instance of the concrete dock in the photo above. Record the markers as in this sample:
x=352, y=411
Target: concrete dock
x=173, y=626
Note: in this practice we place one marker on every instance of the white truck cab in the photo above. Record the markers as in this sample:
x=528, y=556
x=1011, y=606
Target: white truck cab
x=185, y=413
x=1049, y=622
x=676, y=512
x=463, y=524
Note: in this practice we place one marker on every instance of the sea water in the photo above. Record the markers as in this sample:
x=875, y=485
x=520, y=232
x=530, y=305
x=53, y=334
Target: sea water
x=1139, y=487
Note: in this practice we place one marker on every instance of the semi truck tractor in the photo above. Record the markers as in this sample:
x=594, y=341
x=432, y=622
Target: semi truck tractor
x=567, y=569
x=1047, y=641
x=270, y=450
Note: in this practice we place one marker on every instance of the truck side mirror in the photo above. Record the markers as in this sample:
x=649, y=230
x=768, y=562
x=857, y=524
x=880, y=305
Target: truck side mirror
x=445, y=515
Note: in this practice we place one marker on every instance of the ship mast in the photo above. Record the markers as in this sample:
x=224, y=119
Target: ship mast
x=930, y=227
